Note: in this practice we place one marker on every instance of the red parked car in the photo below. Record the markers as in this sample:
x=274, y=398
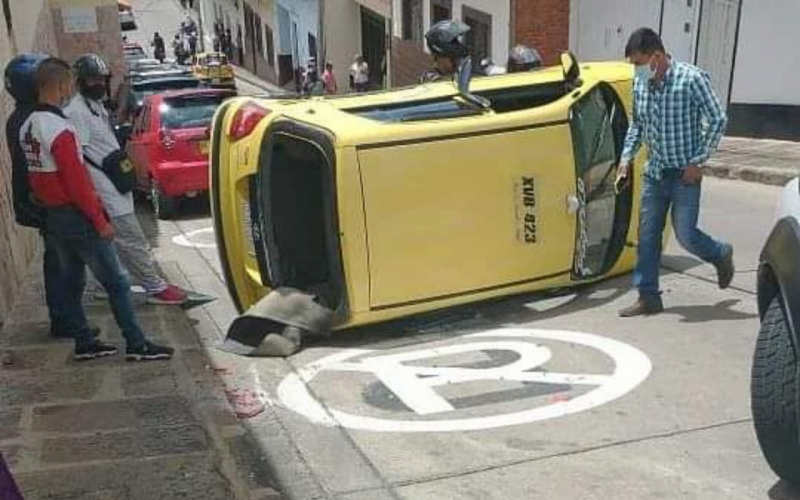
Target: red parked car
x=168, y=145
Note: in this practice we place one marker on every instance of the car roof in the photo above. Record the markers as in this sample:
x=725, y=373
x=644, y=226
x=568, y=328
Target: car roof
x=148, y=81
x=196, y=92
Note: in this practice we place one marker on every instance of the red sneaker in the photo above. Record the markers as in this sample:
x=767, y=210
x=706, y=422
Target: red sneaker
x=171, y=296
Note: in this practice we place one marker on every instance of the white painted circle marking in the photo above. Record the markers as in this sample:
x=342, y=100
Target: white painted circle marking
x=185, y=240
x=415, y=384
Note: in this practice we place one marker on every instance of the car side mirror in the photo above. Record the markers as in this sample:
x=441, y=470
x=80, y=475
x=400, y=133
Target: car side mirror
x=463, y=78
x=572, y=70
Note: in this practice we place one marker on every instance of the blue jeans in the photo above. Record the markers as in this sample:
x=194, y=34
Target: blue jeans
x=78, y=245
x=657, y=198
x=53, y=288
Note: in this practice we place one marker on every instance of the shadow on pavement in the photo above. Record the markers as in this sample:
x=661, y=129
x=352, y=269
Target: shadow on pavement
x=721, y=311
x=507, y=311
x=680, y=263
x=784, y=491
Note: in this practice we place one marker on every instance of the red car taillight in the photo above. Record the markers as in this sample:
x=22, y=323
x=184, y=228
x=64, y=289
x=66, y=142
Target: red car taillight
x=246, y=119
x=166, y=138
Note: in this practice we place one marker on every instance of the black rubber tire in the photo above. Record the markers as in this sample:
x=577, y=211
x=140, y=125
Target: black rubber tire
x=774, y=386
x=164, y=207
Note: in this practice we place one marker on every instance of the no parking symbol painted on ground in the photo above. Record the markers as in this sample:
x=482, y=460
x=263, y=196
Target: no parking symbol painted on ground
x=415, y=384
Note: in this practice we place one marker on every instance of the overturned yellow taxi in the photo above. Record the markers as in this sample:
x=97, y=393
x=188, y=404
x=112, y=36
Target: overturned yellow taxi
x=394, y=203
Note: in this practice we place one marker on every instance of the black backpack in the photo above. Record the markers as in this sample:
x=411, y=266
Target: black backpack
x=27, y=211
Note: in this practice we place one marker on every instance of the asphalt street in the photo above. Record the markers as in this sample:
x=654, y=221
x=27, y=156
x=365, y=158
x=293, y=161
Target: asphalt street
x=540, y=396
x=437, y=407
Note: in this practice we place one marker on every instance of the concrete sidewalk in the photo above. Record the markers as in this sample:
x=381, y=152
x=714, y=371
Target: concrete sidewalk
x=756, y=160
x=108, y=429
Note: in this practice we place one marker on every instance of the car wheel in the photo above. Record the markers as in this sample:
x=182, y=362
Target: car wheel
x=164, y=207
x=774, y=387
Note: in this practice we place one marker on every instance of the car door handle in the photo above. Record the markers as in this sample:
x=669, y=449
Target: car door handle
x=574, y=204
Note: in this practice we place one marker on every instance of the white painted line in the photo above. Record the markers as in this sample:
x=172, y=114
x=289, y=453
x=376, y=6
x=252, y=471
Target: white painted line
x=415, y=384
x=185, y=240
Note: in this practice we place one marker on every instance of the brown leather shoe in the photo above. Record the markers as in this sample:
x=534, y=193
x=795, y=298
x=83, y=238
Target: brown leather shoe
x=645, y=306
x=725, y=268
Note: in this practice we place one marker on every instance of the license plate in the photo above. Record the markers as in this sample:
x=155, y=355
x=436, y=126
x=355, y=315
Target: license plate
x=216, y=80
x=204, y=147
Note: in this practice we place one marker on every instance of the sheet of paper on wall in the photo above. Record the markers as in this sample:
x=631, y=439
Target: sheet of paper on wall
x=79, y=19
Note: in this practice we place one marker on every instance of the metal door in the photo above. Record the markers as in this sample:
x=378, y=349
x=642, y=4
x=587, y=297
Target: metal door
x=717, y=41
x=679, y=21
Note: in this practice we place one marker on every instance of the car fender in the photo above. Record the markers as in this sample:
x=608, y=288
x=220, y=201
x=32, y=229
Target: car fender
x=779, y=271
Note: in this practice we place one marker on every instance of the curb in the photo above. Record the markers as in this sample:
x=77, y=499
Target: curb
x=762, y=175
x=257, y=82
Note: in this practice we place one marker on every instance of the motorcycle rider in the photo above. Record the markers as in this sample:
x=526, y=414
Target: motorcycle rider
x=444, y=40
x=523, y=58
x=113, y=178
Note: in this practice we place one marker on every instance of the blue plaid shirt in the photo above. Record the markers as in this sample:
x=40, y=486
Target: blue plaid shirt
x=680, y=119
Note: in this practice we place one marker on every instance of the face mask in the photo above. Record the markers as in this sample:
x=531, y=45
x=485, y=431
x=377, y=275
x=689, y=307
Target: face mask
x=94, y=92
x=645, y=71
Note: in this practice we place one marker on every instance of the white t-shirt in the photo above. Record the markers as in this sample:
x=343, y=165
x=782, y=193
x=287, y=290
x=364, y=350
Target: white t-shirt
x=360, y=72
x=90, y=120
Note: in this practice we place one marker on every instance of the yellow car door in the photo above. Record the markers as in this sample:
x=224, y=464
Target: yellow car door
x=482, y=209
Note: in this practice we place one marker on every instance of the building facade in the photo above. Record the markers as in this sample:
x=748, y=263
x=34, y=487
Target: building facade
x=495, y=27
x=64, y=28
x=739, y=43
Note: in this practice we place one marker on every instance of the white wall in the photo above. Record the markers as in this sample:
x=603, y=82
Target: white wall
x=599, y=29
x=342, y=38
x=500, y=10
x=767, y=67
x=306, y=14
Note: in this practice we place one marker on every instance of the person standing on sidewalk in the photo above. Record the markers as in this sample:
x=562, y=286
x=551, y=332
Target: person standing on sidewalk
x=678, y=115
x=77, y=226
x=329, y=80
x=359, y=74
x=102, y=153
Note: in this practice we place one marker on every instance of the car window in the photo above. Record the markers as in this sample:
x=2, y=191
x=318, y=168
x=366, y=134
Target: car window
x=154, y=86
x=598, y=125
x=502, y=101
x=189, y=112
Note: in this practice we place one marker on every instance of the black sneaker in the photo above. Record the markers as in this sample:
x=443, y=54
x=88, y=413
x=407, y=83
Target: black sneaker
x=645, y=306
x=149, y=352
x=96, y=350
x=725, y=268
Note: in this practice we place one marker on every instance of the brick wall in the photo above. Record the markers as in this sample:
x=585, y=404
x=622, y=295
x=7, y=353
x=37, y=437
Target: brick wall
x=543, y=24
x=409, y=61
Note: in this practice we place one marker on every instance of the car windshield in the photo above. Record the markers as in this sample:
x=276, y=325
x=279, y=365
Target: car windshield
x=190, y=111
x=211, y=59
x=151, y=87
x=134, y=51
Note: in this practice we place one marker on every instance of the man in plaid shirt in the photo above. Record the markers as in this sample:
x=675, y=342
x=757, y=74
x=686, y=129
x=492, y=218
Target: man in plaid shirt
x=678, y=115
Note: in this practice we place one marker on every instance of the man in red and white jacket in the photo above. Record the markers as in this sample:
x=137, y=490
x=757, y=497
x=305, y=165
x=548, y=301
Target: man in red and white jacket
x=77, y=225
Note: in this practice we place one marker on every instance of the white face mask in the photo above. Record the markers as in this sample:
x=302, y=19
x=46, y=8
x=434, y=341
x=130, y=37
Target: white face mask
x=645, y=71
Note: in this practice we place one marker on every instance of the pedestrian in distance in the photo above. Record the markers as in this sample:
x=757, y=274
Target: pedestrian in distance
x=77, y=225
x=359, y=74
x=114, y=179
x=159, y=47
x=329, y=80
x=678, y=115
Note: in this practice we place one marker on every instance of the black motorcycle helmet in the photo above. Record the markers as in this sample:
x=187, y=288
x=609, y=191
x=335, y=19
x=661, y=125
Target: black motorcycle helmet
x=444, y=39
x=523, y=58
x=18, y=77
x=90, y=66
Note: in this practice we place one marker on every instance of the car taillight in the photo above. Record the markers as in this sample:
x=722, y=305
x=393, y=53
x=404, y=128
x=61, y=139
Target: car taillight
x=246, y=119
x=166, y=138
